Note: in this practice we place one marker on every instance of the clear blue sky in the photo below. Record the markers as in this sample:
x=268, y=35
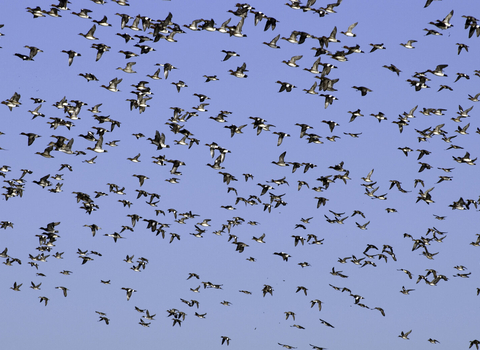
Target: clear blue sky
x=445, y=312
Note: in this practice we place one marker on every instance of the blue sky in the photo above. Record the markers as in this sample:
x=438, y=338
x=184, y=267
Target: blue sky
x=443, y=312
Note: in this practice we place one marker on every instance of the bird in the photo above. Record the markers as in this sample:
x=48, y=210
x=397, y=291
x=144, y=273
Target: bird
x=98, y=145
x=326, y=323
x=16, y=287
x=31, y=137
x=237, y=30
x=349, y=32
x=112, y=85
x=240, y=71
x=64, y=289
x=281, y=160
x=405, y=335
x=474, y=342
x=328, y=99
x=377, y=47
x=128, y=67
x=90, y=34
x=438, y=71
x=292, y=62
x=273, y=42
x=393, y=68
x=445, y=23
x=225, y=339
x=406, y=291
x=364, y=90
x=285, y=86
x=33, y=52
x=409, y=44
x=71, y=55
x=129, y=292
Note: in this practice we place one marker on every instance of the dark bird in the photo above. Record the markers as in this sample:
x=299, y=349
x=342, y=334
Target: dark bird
x=71, y=55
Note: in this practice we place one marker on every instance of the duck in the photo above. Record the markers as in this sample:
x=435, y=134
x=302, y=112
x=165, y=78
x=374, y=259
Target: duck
x=273, y=43
x=36, y=12
x=364, y=90
x=103, y=22
x=83, y=13
x=392, y=68
x=292, y=38
x=194, y=25
x=292, y=61
x=312, y=91
x=240, y=71
x=208, y=25
x=128, y=67
x=229, y=54
x=128, y=54
x=33, y=52
x=129, y=292
x=101, y=49
x=46, y=152
x=349, y=32
x=112, y=85
x=71, y=55
x=98, y=146
x=90, y=34
x=281, y=160
x=439, y=70
x=237, y=30
x=88, y=76
x=16, y=287
x=180, y=84
x=409, y=44
x=405, y=335
x=64, y=289
x=328, y=99
x=285, y=86
x=377, y=47
x=445, y=23
x=225, y=339
x=314, y=68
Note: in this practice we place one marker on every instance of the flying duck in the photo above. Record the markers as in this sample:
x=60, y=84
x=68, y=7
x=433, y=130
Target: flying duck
x=90, y=34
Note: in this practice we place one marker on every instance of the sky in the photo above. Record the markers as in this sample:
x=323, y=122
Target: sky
x=429, y=229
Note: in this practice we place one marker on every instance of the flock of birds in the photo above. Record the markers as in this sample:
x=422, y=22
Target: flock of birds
x=266, y=190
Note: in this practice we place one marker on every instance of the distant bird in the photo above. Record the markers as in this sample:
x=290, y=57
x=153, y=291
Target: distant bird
x=349, y=30
x=31, y=137
x=445, y=23
x=273, y=42
x=326, y=323
x=33, y=52
x=180, y=84
x=377, y=47
x=429, y=2
x=90, y=34
x=281, y=160
x=129, y=292
x=128, y=67
x=292, y=62
x=362, y=89
x=393, y=69
x=64, y=289
x=406, y=291
x=16, y=287
x=240, y=71
x=71, y=55
x=285, y=86
x=328, y=99
x=405, y=335
x=112, y=85
x=409, y=44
